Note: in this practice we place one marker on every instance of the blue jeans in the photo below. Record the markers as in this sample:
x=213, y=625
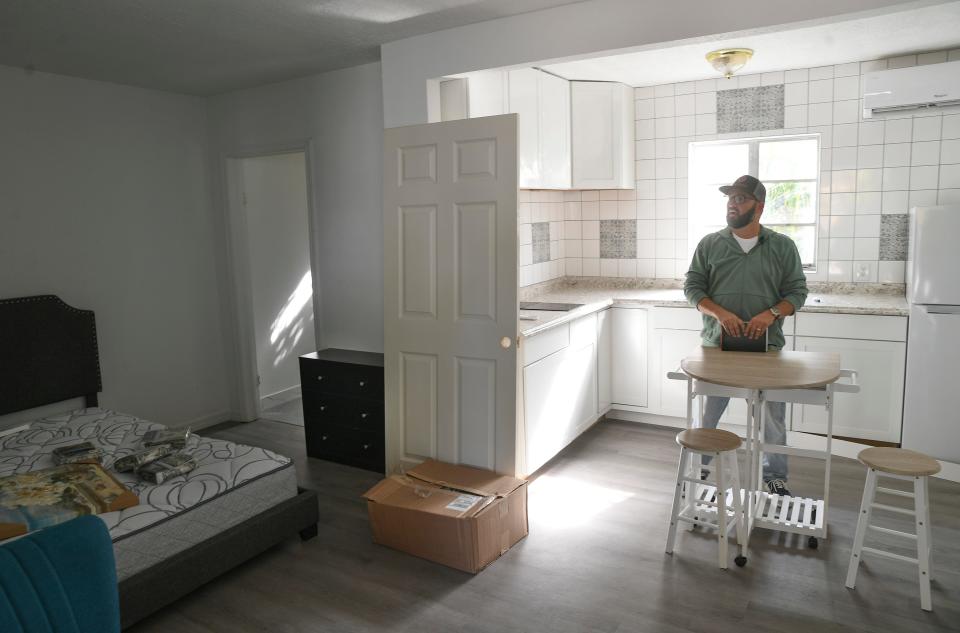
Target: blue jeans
x=774, y=432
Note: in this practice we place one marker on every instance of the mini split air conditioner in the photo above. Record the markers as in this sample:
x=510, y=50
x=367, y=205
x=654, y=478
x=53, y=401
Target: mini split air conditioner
x=909, y=88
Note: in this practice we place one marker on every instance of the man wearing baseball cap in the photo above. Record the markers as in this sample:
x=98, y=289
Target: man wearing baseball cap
x=745, y=279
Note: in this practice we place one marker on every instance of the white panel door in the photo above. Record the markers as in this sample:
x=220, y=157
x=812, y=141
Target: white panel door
x=450, y=292
x=876, y=412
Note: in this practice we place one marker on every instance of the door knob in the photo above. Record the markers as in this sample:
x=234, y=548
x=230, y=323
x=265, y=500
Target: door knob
x=505, y=342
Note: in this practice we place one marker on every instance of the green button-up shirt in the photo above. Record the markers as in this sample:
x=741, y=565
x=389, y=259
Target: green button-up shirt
x=745, y=283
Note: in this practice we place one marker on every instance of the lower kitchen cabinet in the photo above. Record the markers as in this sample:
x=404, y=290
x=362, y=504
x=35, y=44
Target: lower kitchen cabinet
x=629, y=356
x=605, y=338
x=875, y=413
x=560, y=394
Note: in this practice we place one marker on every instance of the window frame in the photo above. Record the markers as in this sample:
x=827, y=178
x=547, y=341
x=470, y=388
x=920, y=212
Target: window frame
x=753, y=144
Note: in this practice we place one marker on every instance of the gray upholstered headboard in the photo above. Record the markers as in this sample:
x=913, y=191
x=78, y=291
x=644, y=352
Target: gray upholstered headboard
x=48, y=353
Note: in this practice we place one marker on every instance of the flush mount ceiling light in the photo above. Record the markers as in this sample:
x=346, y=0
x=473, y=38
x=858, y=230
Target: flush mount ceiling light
x=729, y=60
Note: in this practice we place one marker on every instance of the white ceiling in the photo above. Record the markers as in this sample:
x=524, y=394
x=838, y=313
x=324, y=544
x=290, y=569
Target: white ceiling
x=929, y=28
x=206, y=47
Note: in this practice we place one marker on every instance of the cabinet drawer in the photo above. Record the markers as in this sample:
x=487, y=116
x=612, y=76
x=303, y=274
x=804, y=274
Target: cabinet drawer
x=338, y=378
x=852, y=326
x=545, y=343
x=326, y=410
x=677, y=319
x=347, y=446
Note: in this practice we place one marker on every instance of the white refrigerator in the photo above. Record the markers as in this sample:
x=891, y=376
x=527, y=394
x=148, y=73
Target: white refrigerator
x=931, y=405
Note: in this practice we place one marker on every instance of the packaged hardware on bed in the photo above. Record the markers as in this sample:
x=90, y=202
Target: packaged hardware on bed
x=175, y=437
x=165, y=468
x=84, y=452
x=138, y=459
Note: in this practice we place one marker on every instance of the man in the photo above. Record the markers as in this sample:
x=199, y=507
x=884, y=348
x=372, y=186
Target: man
x=745, y=279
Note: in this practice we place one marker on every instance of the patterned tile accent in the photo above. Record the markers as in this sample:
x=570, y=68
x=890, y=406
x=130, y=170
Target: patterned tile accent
x=541, y=242
x=618, y=239
x=749, y=109
x=893, y=237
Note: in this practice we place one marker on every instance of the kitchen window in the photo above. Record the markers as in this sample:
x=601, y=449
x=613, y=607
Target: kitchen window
x=789, y=167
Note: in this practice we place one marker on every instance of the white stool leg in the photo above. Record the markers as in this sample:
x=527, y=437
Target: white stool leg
x=735, y=485
x=675, y=511
x=923, y=549
x=866, y=505
x=721, y=508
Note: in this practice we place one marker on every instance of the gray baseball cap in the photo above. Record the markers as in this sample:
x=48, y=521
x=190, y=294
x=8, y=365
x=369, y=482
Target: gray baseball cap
x=748, y=185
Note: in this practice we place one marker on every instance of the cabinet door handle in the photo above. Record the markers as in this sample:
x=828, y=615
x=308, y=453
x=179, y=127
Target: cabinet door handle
x=319, y=377
x=362, y=383
x=363, y=416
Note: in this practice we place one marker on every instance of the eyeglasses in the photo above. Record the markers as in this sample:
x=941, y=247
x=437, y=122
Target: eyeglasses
x=739, y=198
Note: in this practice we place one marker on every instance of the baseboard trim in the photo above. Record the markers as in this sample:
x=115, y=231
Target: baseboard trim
x=278, y=393
x=205, y=421
x=796, y=439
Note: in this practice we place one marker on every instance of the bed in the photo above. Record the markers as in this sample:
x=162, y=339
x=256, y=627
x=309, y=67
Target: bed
x=238, y=502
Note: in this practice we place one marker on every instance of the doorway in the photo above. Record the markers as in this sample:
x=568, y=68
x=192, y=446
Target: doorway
x=272, y=239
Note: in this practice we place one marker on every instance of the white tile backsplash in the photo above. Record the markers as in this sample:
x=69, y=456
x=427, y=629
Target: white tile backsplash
x=869, y=169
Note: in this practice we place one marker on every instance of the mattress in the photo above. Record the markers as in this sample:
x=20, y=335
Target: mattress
x=231, y=483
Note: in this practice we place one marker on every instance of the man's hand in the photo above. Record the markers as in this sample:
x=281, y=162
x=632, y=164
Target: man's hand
x=729, y=321
x=759, y=324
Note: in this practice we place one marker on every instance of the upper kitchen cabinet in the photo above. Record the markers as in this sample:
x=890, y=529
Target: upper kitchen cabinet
x=542, y=102
x=603, y=135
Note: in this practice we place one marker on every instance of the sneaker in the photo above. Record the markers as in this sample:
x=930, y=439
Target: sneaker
x=778, y=487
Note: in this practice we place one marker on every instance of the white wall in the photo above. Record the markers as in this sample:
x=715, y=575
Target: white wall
x=104, y=201
x=278, y=243
x=341, y=113
x=570, y=31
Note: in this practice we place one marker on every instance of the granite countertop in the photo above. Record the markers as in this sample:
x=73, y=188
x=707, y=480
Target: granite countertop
x=875, y=299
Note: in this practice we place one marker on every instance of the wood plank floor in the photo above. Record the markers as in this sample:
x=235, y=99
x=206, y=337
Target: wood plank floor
x=593, y=561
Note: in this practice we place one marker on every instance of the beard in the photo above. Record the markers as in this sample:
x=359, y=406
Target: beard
x=741, y=220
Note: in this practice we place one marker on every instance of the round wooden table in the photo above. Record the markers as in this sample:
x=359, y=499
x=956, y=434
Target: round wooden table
x=781, y=376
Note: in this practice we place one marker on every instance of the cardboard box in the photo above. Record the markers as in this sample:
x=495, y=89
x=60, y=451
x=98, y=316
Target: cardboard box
x=458, y=516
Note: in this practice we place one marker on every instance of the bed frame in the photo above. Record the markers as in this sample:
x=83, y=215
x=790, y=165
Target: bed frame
x=48, y=354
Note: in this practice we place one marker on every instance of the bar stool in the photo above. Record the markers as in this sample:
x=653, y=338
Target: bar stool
x=906, y=465
x=703, y=500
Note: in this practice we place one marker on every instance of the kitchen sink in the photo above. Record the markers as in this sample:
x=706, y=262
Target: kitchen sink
x=553, y=307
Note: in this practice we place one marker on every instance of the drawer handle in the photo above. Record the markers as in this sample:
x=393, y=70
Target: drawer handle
x=362, y=383
x=363, y=416
x=323, y=437
x=366, y=446
x=319, y=377
x=323, y=407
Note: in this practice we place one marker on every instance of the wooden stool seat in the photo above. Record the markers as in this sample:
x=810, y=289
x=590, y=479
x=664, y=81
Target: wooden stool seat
x=708, y=440
x=899, y=461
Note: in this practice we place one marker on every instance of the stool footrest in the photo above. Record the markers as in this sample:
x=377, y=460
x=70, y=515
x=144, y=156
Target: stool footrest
x=890, y=555
x=898, y=493
x=883, y=506
x=883, y=530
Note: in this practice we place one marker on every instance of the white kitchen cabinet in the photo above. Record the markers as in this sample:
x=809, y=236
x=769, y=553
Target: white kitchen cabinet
x=630, y=357
x=542, y=103
x=560, y=394
x=604, y=360
x=602, y=135
x=876, y=412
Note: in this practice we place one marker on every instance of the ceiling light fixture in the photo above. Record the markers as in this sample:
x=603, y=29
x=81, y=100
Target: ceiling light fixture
x=729, y=60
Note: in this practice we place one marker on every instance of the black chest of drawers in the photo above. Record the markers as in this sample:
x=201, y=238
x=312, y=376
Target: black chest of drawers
x=343, y=411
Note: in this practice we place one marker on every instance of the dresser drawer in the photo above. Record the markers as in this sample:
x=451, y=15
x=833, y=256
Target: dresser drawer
x=346, y=446
x=326, y=410
x=342, y=379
